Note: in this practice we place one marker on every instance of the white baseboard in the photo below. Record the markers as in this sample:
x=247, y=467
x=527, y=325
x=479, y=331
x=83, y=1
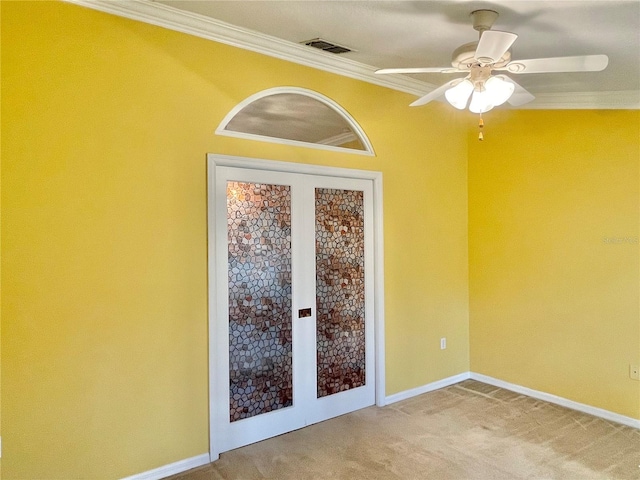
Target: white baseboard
x=429, y=387
x=172, y=468
x=547, y=397
x=564, y=402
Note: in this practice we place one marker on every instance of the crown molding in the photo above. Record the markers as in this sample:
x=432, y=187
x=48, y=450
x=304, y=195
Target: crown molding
x=222, y=32
x=201, y=26
x=339, y=139
x=622, y=100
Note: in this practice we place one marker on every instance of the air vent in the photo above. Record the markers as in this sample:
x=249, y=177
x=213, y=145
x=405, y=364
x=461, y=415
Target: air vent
x=321, y=44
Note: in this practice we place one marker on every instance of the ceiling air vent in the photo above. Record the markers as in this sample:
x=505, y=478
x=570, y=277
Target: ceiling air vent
x=321, y=44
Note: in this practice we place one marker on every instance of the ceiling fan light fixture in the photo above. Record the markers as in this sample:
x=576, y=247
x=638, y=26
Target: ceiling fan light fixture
x=499, y=90
x=458, y=96
x=481, y=101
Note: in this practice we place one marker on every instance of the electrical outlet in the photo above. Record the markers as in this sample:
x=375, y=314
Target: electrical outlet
x=634, y=372
x=443, y=343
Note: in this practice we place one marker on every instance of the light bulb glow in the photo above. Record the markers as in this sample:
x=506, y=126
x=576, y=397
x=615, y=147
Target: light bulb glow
x=499, y=90
x=458, y=96
x=480, y=101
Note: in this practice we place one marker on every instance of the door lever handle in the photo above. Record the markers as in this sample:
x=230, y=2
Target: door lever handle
x=304, y=312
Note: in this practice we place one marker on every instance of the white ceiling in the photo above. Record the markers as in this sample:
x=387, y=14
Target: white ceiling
x=422, y=34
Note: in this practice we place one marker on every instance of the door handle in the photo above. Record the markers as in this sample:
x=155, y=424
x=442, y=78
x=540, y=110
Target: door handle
x=304, y=312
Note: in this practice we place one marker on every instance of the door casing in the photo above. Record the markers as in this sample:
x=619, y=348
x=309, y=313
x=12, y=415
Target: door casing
x=215, y=160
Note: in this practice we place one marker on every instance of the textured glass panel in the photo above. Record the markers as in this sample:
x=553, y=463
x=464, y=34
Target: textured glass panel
x=259, y=235
x=340, y=290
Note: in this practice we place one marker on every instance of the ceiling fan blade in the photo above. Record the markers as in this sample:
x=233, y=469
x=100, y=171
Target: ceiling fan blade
x=582, y=63
x=520, y=95
x=383, y=71
x=493, y=45
x=435, y=93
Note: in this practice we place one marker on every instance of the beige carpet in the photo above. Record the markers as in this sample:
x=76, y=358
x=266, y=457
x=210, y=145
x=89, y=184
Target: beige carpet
x=466, y=431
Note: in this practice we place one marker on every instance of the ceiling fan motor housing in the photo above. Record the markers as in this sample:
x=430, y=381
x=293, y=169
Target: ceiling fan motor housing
x=463, y=57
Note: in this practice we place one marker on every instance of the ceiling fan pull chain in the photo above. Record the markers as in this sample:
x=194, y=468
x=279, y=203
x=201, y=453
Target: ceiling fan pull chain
x=480, y=127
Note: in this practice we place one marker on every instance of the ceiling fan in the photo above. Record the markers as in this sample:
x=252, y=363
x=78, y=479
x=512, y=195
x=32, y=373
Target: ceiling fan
x=491, y=53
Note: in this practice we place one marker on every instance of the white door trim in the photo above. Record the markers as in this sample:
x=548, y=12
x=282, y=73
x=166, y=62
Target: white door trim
x=213, y=161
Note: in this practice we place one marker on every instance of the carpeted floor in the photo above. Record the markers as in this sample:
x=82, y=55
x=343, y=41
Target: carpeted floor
x=470, y=430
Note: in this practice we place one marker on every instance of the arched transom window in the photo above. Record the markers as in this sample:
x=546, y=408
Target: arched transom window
x=296, y=116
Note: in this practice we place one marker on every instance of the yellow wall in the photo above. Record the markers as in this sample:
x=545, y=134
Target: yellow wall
x=106, y=123
x=0, y=259
x=554, y=301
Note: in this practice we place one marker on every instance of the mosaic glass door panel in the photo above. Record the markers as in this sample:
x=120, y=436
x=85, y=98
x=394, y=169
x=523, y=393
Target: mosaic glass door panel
x=340, y=292
x=260, y=342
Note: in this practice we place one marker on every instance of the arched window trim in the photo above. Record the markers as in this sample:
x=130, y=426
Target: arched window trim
x=368, y=148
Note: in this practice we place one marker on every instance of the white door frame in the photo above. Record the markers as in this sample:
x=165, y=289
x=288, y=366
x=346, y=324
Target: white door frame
x=213, y=161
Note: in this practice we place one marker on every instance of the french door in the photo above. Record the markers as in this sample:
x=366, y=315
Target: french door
x=293, y=329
